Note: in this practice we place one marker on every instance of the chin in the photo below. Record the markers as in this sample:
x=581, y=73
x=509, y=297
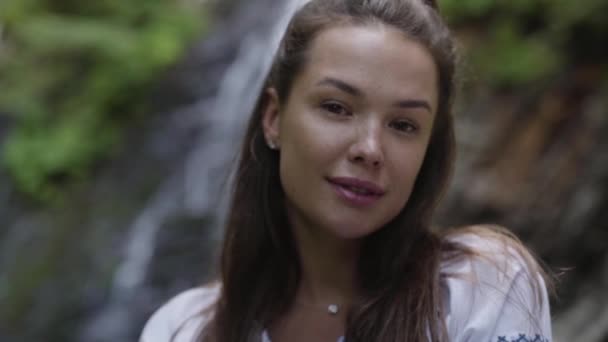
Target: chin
x=353, y=231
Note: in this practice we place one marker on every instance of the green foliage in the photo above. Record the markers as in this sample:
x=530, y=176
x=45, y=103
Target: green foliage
x=459, y=10
x=511, y=58
x=74, y=73
x=517, y=42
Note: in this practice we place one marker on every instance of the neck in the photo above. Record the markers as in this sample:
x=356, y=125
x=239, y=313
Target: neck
x=328, y=267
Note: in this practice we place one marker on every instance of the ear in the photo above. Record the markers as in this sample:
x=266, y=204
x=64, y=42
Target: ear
x=271, y=119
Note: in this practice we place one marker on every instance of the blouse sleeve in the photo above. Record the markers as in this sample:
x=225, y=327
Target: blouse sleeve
x=496, y=300
x=181, y=318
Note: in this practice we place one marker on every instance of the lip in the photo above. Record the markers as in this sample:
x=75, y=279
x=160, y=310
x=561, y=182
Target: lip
x=344, y=189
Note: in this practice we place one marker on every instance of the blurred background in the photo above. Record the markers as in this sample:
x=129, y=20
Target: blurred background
x=120, y=120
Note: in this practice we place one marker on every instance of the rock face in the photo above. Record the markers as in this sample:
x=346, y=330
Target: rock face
x=95, y=267
x=537, y=163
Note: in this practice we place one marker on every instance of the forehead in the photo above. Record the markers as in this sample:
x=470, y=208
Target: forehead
x=373, y=57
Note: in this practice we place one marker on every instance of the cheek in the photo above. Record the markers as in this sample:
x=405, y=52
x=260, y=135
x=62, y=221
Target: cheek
x=308, y=142
x=300, y=162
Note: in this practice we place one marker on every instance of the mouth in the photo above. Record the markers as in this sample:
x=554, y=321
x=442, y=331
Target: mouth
x=356, y=191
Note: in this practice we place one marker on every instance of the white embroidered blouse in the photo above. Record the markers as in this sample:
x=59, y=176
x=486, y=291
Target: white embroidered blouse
x=487, y=300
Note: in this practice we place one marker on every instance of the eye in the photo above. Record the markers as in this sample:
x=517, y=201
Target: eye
x=403, y=126
x=335, y=108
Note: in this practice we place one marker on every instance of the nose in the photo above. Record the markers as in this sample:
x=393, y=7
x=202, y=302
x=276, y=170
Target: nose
x=366, y=149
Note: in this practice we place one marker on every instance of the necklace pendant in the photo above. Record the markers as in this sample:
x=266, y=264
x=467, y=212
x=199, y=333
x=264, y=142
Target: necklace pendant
x=333, y=309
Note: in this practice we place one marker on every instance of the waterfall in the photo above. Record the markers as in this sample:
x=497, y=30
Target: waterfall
x=199, y=188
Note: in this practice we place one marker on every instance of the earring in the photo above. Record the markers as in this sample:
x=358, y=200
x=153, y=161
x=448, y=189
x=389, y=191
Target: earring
x=272, y=145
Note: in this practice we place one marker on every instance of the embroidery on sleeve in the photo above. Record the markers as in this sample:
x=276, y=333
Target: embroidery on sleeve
x=523, y=338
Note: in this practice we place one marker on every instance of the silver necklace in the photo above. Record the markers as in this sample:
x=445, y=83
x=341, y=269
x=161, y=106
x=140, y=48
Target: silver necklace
x=332, y=309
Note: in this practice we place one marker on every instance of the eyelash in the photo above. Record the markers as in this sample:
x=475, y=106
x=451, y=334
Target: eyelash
x=340, y=110
x=335, y=108
x=409, y=127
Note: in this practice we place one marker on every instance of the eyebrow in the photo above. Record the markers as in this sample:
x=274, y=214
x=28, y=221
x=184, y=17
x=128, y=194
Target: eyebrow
x=352, y=90
x=345, y=87
x=413, y=104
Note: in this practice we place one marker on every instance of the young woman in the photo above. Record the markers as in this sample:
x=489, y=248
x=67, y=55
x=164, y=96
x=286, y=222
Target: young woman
x=328, y=238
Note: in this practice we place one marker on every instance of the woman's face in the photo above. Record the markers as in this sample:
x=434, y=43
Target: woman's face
x=354, y=131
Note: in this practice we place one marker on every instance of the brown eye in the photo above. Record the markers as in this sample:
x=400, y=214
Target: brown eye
x=335, y=108
x=403, y=126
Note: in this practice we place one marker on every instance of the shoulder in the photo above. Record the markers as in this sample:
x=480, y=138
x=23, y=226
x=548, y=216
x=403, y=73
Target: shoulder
x=182, y=316
x=494, y=289
x=484, y=248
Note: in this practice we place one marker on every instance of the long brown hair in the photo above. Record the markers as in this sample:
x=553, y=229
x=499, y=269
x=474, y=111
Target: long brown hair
x=399, y=266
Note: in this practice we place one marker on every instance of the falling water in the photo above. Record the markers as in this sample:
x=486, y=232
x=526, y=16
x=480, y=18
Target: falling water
x=197, y=189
